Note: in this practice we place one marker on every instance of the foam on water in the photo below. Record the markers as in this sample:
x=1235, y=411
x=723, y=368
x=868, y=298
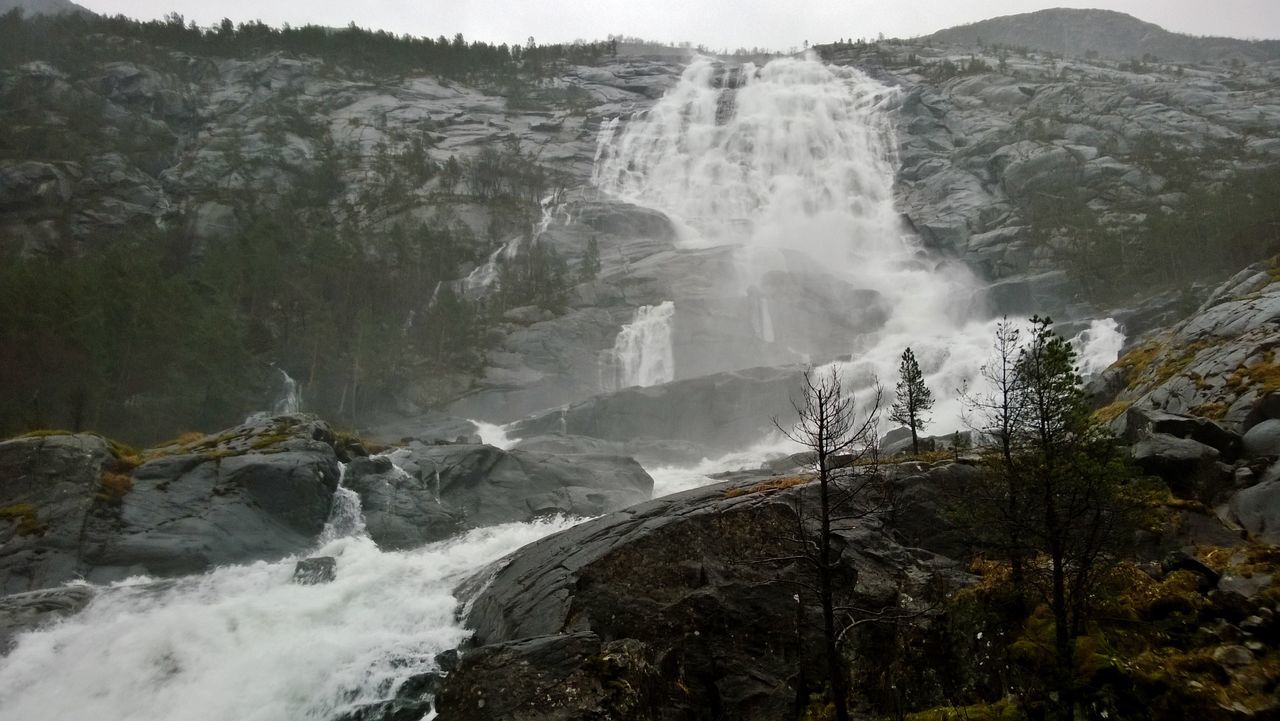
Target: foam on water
x=244, y=643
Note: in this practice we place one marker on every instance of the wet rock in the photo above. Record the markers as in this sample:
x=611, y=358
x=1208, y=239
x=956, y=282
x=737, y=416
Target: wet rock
x=1263, y=440
x=721, y=412
x=546, y=678
x=1140, y=423
x=49, y=488
x=401, y=509
x=258, y=491
x=22, y=612
x=1257, y=510
x=668, y=584
x=431, y=492
x=447, y=660
x=1190, y=468
x=313, y=571
x=1248, y=587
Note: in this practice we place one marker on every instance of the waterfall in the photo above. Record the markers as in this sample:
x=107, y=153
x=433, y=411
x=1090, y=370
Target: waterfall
x=793, y=165
x=642, y=353
x=1098, y=346
x=245, y=643
x=289, y=401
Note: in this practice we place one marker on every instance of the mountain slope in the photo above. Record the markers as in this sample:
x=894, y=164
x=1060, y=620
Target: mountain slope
x=42, y=7
x=1108, y=33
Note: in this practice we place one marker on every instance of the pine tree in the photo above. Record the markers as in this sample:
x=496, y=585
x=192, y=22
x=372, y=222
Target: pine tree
x=912, y=400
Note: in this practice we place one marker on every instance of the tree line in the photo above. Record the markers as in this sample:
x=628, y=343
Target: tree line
x=61, y=39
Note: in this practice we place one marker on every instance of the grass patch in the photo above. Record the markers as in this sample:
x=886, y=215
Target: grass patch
x=1111, y=411
x=774, y=484
x=26, y=517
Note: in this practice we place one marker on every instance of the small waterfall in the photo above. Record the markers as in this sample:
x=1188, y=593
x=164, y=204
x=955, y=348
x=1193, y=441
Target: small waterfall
x=1098, y=346
x=766, y=321
x=346, y=516
x=642, y=354
x=494, y=435
x=289, y=401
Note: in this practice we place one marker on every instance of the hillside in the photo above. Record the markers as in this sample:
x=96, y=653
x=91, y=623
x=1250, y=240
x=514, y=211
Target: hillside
x=1105, y=32
x=42, y=7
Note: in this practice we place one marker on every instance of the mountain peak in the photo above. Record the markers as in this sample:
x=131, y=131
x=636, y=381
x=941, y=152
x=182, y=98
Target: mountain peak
x=1079, y=32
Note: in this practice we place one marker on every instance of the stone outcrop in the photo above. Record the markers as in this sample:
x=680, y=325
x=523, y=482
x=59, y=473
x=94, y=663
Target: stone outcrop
x=672, y=600
x=424, y=493
x=719, y=412
x=76, y=506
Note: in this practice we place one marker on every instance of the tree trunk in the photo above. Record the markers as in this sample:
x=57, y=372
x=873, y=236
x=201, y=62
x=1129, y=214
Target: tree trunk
x=835, y=669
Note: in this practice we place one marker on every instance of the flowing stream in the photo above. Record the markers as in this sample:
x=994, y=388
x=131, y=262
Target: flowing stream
x=245, y=643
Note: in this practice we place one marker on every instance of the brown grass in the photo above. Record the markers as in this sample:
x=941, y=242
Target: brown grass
x=773, y=484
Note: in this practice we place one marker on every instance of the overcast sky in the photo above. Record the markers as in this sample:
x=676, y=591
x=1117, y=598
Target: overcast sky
x=716, y=23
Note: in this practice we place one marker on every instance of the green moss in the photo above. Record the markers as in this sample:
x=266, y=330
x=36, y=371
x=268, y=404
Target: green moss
x=1112, y=411
x=26, y=517
x=1002, y=710
x=45, y=432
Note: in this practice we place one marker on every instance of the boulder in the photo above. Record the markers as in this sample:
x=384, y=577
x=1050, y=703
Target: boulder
x=1257, y=510
x=1190, y=468
x=401, y=509
x=1140, y=423
x=1263, y=440
x=78, y=506
x=425, y=493
x=49, y=488
x=545, y=679
x=312, y=571
x=28, y=611
x=261, y=490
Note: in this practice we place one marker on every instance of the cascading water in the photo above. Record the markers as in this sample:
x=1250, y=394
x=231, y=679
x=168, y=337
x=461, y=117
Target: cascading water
x=245, y=643
x=1098, y=346
x=289, y=401
x=642, y=352
x=793, y=164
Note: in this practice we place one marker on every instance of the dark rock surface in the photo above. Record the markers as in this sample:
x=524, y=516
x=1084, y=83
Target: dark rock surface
x=424, y=493
x=1190, y=468
x=720, y=412
x=21, y=612
x=48, y=491
x=672, y=598
x=78, y=507
x=311, y=571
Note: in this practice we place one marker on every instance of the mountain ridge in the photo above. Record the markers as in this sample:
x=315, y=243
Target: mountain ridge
x=1108, y=33
x=42, y=7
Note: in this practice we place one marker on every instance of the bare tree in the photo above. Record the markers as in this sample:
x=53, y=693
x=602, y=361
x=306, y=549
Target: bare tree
x=996, y=414
x=835, y=435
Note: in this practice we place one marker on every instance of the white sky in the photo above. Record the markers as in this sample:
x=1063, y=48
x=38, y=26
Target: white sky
x=716, y=23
